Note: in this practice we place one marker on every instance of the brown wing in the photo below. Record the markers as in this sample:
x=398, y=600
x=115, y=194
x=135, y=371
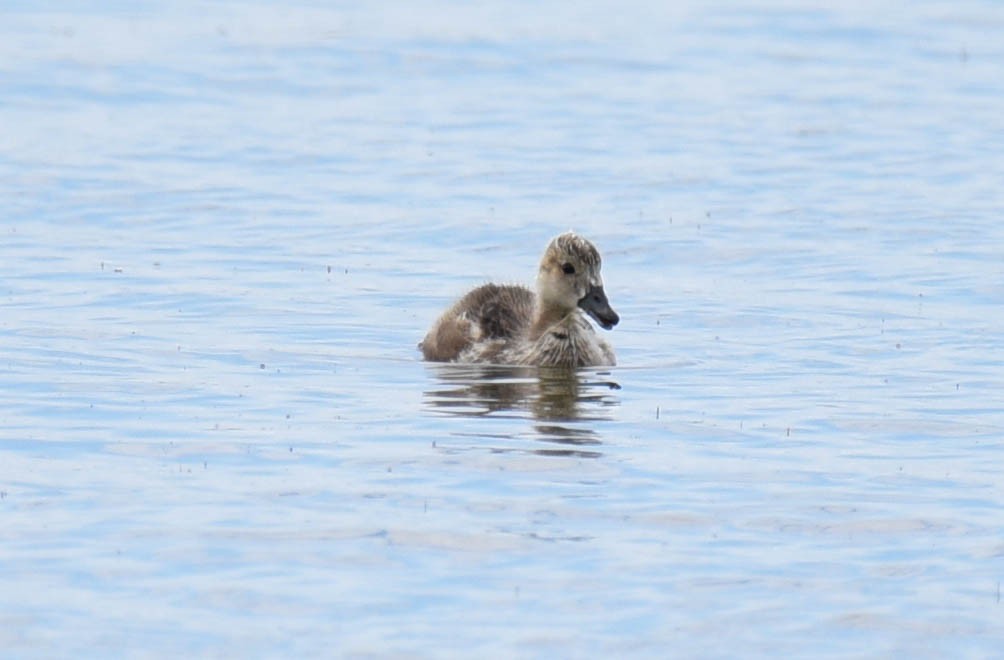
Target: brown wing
x=487, y=313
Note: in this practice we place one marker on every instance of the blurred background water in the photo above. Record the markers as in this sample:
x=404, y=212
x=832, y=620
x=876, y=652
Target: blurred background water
x=226, y=227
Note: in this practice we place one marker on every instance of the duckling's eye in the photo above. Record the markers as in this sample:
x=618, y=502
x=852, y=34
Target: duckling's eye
x=568, y=269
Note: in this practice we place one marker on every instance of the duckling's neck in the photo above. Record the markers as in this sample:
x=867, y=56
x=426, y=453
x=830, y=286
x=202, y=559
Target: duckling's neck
x=545, y=317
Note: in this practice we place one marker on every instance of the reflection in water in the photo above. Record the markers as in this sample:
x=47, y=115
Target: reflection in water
x=557, y=398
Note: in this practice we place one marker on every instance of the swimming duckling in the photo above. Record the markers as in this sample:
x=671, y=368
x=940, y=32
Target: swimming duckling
x=506, y=324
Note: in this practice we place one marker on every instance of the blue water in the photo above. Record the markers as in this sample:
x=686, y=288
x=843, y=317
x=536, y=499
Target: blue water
x=226, y=228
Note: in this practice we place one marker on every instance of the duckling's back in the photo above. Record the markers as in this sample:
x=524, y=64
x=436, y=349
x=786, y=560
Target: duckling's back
x=480, y=325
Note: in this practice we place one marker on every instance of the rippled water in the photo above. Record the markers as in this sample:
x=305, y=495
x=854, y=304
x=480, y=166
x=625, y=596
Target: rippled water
x=227, y=227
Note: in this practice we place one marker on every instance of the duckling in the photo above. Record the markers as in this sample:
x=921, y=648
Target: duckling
x=510, y=324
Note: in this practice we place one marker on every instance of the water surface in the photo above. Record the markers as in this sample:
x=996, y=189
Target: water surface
x=226, y=229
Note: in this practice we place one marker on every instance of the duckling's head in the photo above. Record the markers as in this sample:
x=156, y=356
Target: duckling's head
x=569, y=277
